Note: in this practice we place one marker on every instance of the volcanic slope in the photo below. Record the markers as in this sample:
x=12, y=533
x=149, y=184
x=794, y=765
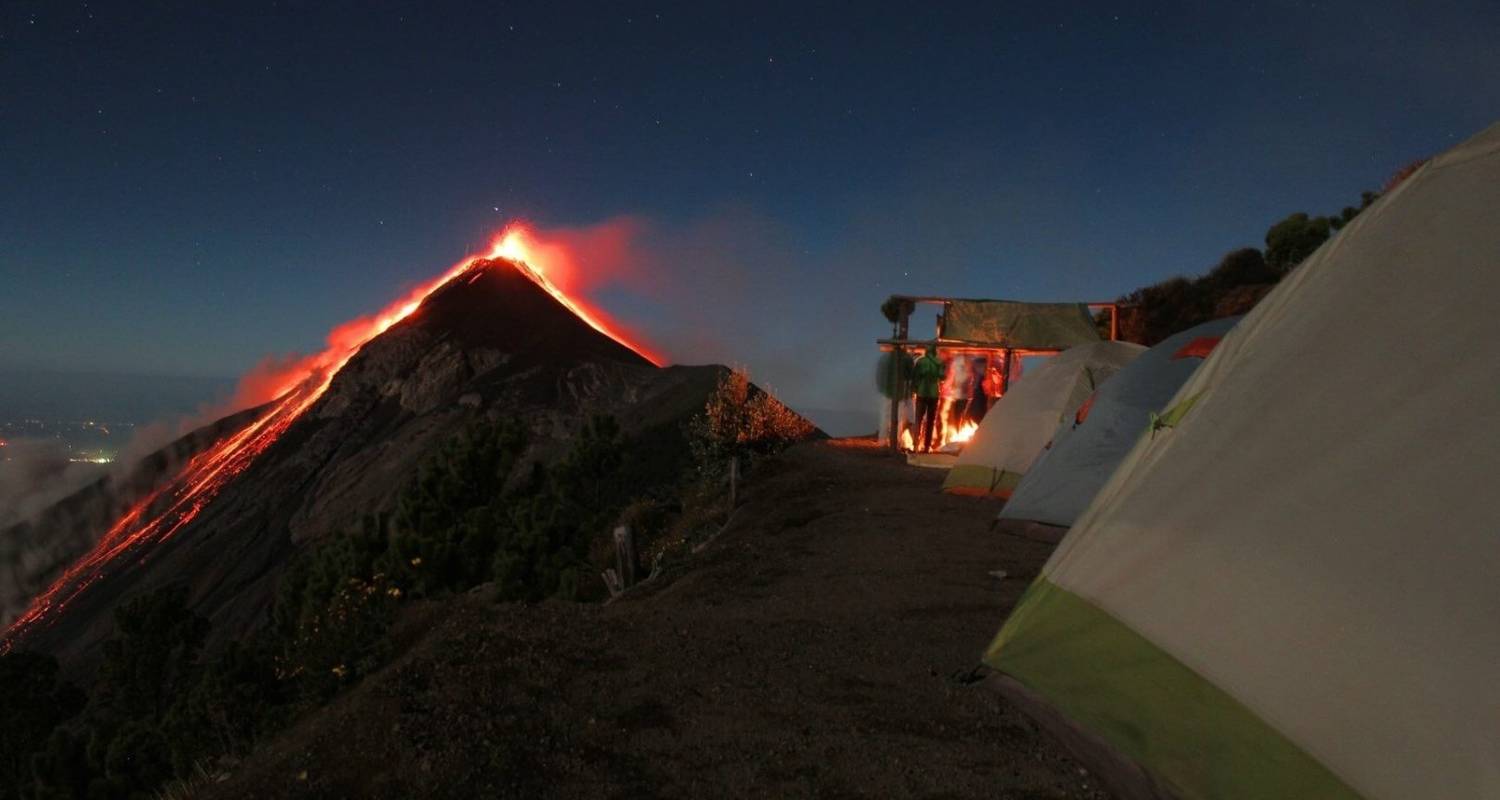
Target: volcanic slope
x=489, y=344
x=821, y=646
x=34, y=552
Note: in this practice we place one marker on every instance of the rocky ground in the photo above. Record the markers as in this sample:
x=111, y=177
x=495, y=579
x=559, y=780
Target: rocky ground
x=818, y=647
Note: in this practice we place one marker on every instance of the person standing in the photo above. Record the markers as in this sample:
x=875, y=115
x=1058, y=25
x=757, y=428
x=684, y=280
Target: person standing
x=956, y=393
x=928, y=379
x=979, y=403
x=893, y=378
x=994, y=377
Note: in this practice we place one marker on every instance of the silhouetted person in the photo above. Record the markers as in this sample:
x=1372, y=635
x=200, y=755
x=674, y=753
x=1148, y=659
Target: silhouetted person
x=928, y=378
x=979, y=402
x=957, y=387
x=994, y=378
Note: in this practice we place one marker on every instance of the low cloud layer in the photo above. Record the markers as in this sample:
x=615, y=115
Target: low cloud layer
x=34, y=473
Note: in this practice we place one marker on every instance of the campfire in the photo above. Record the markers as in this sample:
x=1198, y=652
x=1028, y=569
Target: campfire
x=948, y=437
x=964, y=433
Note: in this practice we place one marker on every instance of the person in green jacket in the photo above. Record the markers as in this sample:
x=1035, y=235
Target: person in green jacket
x=928, y=377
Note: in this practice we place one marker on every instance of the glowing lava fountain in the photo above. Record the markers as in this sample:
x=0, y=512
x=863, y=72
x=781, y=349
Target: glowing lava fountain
x=166, y=510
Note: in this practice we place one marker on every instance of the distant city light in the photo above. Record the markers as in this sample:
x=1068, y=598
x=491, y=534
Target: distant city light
x=79, y=441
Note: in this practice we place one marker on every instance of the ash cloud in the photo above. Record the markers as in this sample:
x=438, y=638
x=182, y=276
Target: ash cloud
x=712, y=290
x=797, y=300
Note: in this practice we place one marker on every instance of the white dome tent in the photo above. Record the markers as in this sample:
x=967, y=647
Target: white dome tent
x=1085, y=449
x=1022, y=422
x=1294, y=590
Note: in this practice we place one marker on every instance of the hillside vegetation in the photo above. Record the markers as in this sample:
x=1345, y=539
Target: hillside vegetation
x=1241, y=278
x=162, y=709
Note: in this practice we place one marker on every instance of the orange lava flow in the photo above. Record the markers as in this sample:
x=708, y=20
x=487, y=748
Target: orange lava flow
x=166, y=510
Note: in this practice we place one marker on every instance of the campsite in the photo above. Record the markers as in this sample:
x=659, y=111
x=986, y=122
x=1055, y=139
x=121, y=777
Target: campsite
x=1073, y=602
x=586, y=400
x=1150, y=640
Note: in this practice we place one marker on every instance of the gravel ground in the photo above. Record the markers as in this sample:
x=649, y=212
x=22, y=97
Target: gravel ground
x=815, y=648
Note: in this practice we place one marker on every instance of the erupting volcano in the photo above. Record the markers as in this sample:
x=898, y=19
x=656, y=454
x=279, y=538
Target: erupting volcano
x=483, y=318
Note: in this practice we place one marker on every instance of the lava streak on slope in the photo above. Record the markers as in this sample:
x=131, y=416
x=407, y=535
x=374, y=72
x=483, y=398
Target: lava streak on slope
x=166, y=510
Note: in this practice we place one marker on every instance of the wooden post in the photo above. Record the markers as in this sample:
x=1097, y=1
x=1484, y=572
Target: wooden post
x=1005, y=376
x=898, y=381
x=734, y=482
x=625, y=556
x=1114, y=322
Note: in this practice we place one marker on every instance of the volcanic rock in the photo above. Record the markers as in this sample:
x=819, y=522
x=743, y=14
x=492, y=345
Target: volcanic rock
x=491, y=344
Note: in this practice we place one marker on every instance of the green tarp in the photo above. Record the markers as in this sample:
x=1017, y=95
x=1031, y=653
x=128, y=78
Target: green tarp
x=1112, y=681
x=1024, y=326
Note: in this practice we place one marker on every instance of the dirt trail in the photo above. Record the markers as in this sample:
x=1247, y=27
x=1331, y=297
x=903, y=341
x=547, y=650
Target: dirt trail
x=811, y=651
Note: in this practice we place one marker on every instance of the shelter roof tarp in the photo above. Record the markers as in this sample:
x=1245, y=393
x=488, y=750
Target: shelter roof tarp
x=1025, y=326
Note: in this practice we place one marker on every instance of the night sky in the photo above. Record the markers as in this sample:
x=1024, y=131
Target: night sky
x=189, y=189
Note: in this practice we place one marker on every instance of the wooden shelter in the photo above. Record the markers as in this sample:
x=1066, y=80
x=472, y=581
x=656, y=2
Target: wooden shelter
x=1001, y=330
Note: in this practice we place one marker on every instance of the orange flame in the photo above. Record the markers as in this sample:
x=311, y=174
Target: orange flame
x=946, y=433
x=964, y=433
x=295, y=387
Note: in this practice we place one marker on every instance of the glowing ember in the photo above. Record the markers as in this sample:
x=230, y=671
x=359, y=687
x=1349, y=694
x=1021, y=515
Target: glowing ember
x=295, y=387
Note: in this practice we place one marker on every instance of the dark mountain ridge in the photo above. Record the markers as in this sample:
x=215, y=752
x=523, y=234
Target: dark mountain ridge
x=489, y=345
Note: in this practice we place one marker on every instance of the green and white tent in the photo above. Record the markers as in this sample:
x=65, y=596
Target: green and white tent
x=1023, y=421
x=1294, y=590
x=1088, y=446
